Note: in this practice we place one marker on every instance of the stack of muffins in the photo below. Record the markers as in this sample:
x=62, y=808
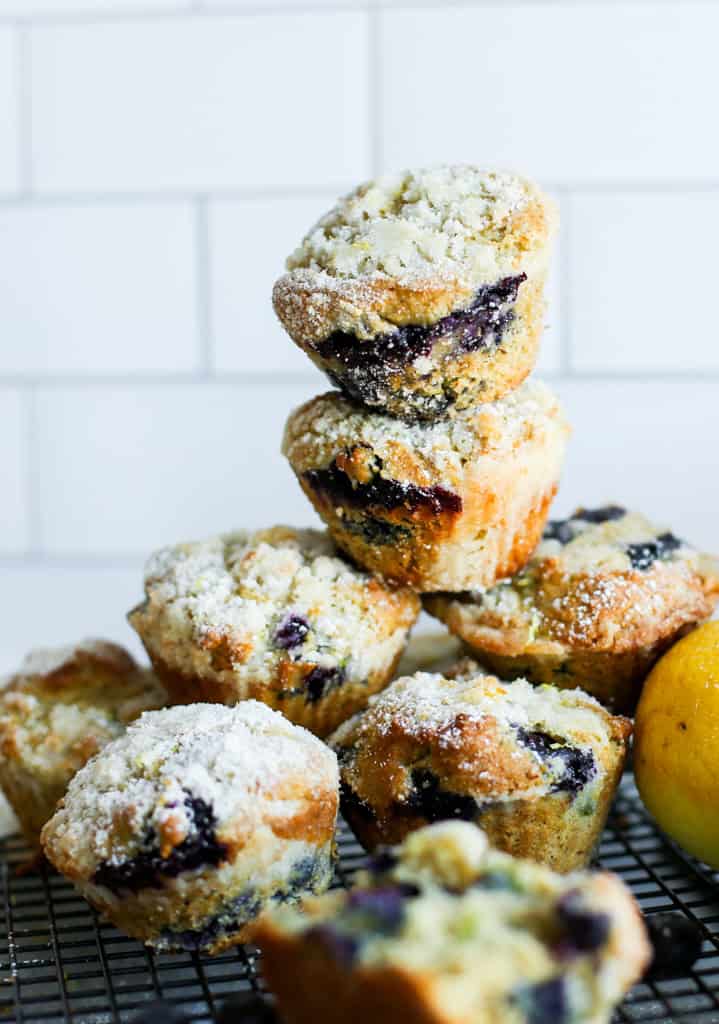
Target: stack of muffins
x=433, y=466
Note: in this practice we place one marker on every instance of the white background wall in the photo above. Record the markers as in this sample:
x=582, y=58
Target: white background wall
x=159, y=158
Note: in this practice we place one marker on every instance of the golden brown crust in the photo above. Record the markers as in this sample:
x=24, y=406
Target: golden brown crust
x=602, y=632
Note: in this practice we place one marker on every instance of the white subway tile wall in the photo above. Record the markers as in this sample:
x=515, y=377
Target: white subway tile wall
x=160, y=158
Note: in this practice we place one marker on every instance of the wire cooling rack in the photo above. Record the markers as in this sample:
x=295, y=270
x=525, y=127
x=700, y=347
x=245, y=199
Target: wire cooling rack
x=60, y=963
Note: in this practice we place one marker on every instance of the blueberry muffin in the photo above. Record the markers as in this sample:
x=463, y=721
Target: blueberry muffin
x=422, y=293
x=436, y=506
x=444, y=930
x=183, y=830
x=604, y=594
x=62, y=707
x=536, y=767
x=277, y=616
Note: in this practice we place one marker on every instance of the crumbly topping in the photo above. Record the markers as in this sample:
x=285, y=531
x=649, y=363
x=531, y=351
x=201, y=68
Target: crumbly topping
x=246, y=587
x=66, y=703
x=442, y=222
x=598, y=584
x=318, y=430
x=233, y=758
x=429, y=702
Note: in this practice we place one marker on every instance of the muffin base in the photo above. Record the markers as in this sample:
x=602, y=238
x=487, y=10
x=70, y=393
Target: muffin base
x=212, y=909
x=558, y=830
x=320, y=717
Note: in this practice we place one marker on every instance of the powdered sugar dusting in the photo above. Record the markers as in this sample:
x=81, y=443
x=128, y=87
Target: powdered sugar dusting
x=233, y=758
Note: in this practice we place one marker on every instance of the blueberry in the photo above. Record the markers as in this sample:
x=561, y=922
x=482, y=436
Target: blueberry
x=233, y=915
x=584, y=930
x=436, y=804
x=605, y=514
x=558, y=529
x=676, y=941
x=246, y=1008
x=383, y=908
x=377, y=531
x=201, y=847
x=344, y=948
x=158, y=1012
x=291, y=632
x=644, y=554
x=321, y=680
x=543, y=1003
x=579, y=766
x=381, y=492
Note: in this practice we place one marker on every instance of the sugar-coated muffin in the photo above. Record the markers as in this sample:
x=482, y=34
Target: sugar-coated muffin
x=62, y=707
x=422, y=293
x=187, y=827
x=604, y=594
x=439, y=506
x=277, y=615
x=444, y=930
x=536, y=767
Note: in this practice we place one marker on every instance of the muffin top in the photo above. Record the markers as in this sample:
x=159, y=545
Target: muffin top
x=604, y=578
x=246, y=603
x=411, y=248
x=370, y=442
x=188, y=787
x=65, y=703
x=487, y=932
x=428, y=736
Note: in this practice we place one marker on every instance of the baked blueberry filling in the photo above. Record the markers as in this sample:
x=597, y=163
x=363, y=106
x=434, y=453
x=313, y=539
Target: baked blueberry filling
x=342, y=947
x=563, y=531
x=363, y=368
x=377, y=531
x=436, y=804
x=320, y=681
x=381, y=909
x=543, y=1003
x=353, y=806
x=381, y=492
x=291, y=632
x=305, y=876
x=645, y=554
x=578, y=766
x=584, y=930
x=200, y=848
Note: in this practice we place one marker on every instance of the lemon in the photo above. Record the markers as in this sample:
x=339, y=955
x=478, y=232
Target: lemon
x=676, y=743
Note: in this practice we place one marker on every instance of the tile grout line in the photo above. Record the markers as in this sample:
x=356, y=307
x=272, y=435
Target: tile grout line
x=202, y=287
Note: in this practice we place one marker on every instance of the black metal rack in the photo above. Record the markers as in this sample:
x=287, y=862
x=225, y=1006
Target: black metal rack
x=60, y=963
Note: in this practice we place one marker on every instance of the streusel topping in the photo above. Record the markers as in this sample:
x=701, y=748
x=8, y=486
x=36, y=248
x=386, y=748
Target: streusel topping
x=442, y=222
x=232, y=758
x=330, y=422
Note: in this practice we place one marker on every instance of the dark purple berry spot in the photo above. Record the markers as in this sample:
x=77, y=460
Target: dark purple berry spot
x=353, y=807
x=543, y=1003
x=382, y=909
x=604, y=514
x=363, y=368
x=377, y=531
x=560, y=530
x=146, y=870
x=436, y=804
x=584, y=930
x=579, y=766
x=291, y=632
x=676, y=941
x=644, y=555
x=342, y=947
x=380, y=492
x=320, y=681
